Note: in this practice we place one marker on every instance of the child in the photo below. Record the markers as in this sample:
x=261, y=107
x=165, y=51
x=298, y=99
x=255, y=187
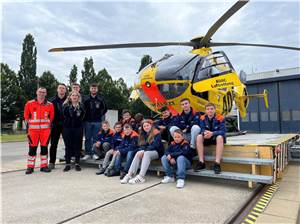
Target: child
x=138, y=121
x=178, y=155
x=116, y=141
x=150, y=148
x=127, y=119
x=126, y=149
x=104, y=141
x=164, y=123
x=213, y=132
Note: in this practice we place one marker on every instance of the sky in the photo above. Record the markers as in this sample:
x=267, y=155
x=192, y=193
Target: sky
x=65, y=23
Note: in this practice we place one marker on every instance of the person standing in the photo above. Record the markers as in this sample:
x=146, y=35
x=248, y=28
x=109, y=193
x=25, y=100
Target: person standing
x=38, y=115
x=95, y=110
x=73, y=112
x=57, y=124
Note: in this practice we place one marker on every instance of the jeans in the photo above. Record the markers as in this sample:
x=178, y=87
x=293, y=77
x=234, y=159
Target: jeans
x=91, y=131
x=182, y=165
x=129, y=157
x=191, y=137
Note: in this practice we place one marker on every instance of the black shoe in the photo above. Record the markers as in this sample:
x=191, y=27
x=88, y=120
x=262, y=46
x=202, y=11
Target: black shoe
x=199, y=166
x=29, y=171
x=100, y=171
x=67, y=168
x=45, y=169
x=77, y=167
x=122, y=175
x=113, y=173
x=217, y=168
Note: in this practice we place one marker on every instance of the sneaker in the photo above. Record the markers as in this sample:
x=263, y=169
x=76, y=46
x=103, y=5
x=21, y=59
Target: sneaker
x=137, y=180
x=67, y=168
x=112, y=173
x=100, y=171
x=180, y=183
x=51, y=166
x=77, y=167
x=86, y=157
x=217, y=168
x=168, y=179
x=45, y=169
x=122, y=175
x=126, y=179
x=29, y=171
x=199, y=166
x=96, y=157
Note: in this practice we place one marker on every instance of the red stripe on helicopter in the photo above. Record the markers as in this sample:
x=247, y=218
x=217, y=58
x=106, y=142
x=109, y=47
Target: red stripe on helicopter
x=155, y=96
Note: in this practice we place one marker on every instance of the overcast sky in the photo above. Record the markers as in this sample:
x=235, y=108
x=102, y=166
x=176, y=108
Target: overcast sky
x=64, y=23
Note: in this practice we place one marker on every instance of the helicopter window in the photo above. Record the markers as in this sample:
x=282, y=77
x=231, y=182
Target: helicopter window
x=179, y=67
x=172, y=90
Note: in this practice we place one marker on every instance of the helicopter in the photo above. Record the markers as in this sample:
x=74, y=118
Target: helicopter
x=201, y=75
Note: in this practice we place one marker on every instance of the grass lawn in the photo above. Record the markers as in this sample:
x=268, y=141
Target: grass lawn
x=13, y=138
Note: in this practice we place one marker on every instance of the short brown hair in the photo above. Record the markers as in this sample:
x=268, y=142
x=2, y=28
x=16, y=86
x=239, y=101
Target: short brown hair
x=209, y=104
x=94, y=85
x=105, y=122
x=185, y=99
x=127, y=126
x=179, y=131
x=118, y=123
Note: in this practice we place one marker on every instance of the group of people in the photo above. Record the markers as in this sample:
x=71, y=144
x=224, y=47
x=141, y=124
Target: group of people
x=127, y=149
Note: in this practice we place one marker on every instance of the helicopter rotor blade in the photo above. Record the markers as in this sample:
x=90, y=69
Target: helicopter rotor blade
x=215, y=44
x=239, y=4
x=127, y=45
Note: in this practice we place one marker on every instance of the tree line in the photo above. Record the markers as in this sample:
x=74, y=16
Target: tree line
x=19, y=87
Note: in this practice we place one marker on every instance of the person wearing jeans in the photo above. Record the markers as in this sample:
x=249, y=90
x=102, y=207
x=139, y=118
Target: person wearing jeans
x=95, y=111
x=177, y=156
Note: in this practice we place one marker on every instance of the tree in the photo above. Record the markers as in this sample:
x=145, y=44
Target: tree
x=73, y=76
x=27, y=74
x=146, y=60
x=10, y=92
x=88, y=75
x=49, y=81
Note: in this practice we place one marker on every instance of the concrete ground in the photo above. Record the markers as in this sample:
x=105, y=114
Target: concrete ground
x=83, y=197
x=285, y=205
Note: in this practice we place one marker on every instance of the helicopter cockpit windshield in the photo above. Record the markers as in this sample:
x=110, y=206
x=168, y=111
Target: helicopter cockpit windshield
x=213, y=65
x=174, y=74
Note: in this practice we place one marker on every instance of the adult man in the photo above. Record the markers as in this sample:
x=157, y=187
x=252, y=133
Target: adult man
x=57, y=124
x=212, y=132
x=76, y=87
x=95, y=110
x=38, y=115
x=187, y=121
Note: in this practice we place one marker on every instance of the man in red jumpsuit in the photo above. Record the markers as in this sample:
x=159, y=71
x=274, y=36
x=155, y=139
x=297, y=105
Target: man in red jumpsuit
x=38, y=115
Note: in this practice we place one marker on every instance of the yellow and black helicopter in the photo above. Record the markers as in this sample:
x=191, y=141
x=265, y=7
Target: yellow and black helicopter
x=200, y=75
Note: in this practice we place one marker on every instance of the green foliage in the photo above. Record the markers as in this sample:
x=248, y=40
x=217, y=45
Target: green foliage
x=72, y=76
x=27, y=74
x=146, y=60
x=88, y=75
x=48, y=81
x=10, y=92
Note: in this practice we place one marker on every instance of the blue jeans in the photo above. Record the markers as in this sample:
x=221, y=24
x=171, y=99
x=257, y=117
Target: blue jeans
x=182, y=165
x=129, y=157
x=91, y=130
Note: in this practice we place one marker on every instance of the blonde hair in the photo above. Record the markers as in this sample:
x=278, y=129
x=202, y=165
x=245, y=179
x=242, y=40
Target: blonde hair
x=68, y=100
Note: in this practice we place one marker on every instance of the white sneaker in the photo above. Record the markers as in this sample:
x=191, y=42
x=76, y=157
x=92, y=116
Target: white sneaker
x=180, y=183
x=125, y=179
x=137, y=180
x=168, y=179
x=95, y=157
x=86, y=157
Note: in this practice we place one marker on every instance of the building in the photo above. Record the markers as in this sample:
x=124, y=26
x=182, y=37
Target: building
x=283, y=114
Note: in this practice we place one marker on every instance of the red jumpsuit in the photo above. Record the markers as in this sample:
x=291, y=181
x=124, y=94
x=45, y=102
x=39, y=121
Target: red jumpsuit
x=38, y=117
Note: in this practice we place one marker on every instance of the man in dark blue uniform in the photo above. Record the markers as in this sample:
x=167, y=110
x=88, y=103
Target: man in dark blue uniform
x=212, y=132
